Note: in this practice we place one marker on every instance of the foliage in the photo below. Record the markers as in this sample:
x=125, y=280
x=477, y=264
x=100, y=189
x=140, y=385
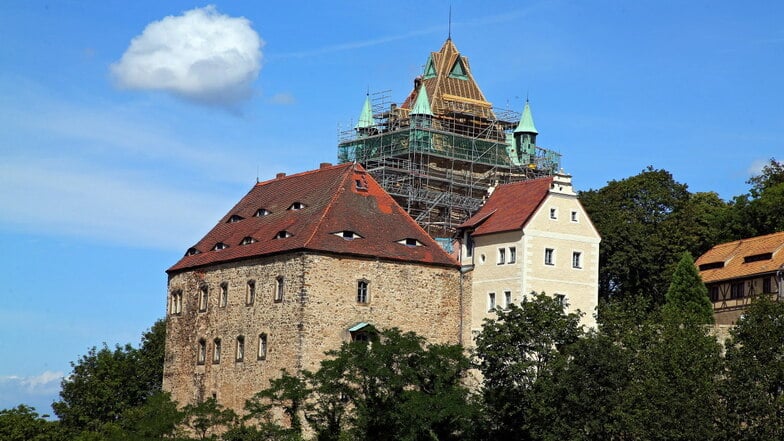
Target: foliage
x=754, y=385
x=208, y=416
x=517, y=352
x=23, y=423
x=158, y=418
x=105, y=382
x=687, y=295
x=393, y=388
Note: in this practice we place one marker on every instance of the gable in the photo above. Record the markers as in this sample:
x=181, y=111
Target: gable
x=458, y=69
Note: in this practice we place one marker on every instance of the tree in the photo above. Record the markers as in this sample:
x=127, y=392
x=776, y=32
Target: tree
x=158, y=418
x=395, y=387
x=105, y=382
x=641, y=231
x=23, y=423
x=759, y=212
x=754, y=384
x=517, y=352
x=208, y=417
x=687, y=295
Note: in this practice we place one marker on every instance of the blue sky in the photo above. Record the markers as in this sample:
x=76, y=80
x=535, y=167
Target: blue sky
x=115, y=157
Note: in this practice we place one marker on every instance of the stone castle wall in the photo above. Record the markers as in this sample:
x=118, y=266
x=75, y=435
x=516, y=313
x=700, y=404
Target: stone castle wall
x=319, y=305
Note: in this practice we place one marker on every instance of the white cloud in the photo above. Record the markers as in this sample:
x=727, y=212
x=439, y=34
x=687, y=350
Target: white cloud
x=37, y=391
x=755, y=168
x=202, y=55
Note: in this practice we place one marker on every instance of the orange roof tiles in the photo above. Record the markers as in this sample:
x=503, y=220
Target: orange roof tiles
x=733, y=257
x=509, y=207
x=335, y=199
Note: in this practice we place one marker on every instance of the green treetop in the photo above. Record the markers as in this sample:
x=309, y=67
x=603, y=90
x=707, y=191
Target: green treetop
x=687, y=294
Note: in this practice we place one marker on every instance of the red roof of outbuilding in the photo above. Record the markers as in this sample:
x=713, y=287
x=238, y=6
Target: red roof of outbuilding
x=509, y=207
x=336, y=199
x=743, y=258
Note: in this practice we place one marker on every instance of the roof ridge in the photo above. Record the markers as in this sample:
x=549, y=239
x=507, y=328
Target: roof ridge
x=309, y=172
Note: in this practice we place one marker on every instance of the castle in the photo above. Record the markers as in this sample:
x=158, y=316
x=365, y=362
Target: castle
x=305, y=262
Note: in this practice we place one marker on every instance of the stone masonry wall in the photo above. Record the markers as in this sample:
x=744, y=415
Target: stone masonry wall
x=319, y=306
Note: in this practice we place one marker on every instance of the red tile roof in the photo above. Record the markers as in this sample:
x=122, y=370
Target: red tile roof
x=734, y=262
x=509, y=207
x=336, y=199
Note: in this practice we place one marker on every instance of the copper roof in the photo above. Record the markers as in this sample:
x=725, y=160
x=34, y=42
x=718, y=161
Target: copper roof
x=447, y=92
x=743, y=258
x=509, y=207
x=333, y=200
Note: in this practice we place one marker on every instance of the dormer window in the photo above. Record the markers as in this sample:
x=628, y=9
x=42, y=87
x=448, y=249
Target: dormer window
x=220, y=246
x=247, y=240
x=757, y=257
x=297, y=206
x=192, y=251
x=235, y=218
x=261, y=212
x=283, y=234
x=361, y=183
x=348, y=235
x=410, y=242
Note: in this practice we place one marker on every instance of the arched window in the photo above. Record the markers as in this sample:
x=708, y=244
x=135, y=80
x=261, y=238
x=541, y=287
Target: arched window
x=175, y=306
x=250, y=292
x=203, y=292
x=279, y=288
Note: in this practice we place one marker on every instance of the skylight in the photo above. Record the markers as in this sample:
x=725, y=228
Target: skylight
x=261, y=212
x=220, y=246
x=348, y=235
x=283, y=234
x=192, y=251
x=297, y=206
x=247, y=240
x=410, y=242
x=235, y=218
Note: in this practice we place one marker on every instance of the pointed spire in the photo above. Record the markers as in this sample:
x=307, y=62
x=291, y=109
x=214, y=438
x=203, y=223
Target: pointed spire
x=422, y=104
x=366, y=117
x=526, y=124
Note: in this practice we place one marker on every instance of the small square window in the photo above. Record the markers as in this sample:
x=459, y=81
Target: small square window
x=766, y=285
x=713, y=293
x=549, y=256
x=491, y=301
x=561, y=299
x=501, y=256
x=553, y=213
x=577, y=259
x=574, y=216
x=736, y=290
x=512, y=255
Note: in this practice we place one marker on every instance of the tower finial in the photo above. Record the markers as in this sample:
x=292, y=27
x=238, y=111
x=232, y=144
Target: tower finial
x=449, y=32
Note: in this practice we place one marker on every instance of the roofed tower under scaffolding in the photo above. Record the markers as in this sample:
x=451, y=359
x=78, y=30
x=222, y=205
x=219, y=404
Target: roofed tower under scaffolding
x=445, y=145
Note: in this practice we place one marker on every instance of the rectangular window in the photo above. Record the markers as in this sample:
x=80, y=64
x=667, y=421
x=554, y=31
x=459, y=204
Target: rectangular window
x=507, y=299
x=279, y=286
x=262, y=346
x=203, y=298
x=250, y=292
x=469, y=246
x=574, y=216
x=713, y=293
x=766, y=285
x=561, y=299
x=501, y=256
x=201, y=356
x=240, y=348
x=224, y=294
x=362, y=292
x=176, y=303
x=553, y=213
x=736, y=290
x=491, y=301
x=512, y=254
x=577, y=259
x=549, y=256
x=216, y=351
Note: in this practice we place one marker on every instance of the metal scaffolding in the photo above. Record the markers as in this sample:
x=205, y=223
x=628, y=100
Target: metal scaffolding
x=439, y=167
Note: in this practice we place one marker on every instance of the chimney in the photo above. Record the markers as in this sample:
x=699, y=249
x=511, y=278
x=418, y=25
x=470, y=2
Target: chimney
x=325, y=165
x=280, y=176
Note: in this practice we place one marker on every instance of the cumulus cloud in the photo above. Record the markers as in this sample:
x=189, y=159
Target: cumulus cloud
x=201, y=55
x=755, y=168
x=37, y=391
